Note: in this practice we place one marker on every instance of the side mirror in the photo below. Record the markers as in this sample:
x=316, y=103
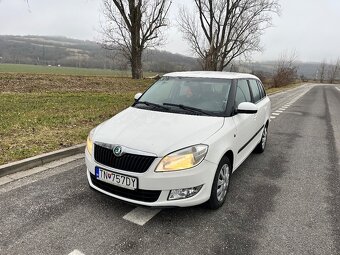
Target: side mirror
x=138, y=95
x=247, y=108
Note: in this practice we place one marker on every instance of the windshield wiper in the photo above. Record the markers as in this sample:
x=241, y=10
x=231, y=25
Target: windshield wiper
x=152, y=104
x=188, y=108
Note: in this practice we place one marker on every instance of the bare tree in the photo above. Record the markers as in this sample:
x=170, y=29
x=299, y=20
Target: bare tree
x=223, y=30
x=333, y=71
x=132, y=26
x=322, y=71
x=286, y=70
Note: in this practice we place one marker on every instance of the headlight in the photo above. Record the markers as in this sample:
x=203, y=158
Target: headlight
x=89, y=142
x=183, y=159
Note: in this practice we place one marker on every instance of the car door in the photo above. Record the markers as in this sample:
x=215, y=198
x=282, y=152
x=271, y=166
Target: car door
x=245, y=123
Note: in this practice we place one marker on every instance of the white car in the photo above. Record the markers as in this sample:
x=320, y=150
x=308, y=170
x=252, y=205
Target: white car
x=178, y=144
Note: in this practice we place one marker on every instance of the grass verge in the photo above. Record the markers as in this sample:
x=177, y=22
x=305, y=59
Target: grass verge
x=35, y=123
x=43, y=113
x=63, y=70
x=280, y=89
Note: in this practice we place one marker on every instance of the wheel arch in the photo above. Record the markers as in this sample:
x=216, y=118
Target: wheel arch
x=230, y=155
x=267, y=123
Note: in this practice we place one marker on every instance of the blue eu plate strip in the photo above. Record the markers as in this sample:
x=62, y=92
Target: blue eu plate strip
x=97, y=172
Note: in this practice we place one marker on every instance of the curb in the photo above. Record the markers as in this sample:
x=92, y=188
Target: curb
x=40, y=160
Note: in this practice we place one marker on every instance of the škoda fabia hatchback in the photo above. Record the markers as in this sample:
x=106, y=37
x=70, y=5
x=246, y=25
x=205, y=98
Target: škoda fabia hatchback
x=180, y=141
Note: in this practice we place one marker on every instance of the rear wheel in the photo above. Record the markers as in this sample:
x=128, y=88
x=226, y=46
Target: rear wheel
x=262, y=144
x=221, y=184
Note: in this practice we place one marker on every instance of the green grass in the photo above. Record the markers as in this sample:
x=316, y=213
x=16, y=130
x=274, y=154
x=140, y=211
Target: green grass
x=45, y=112
x=34, y=123
x=39, y=69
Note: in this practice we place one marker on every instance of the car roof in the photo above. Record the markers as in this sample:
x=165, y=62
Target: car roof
x=211, y=74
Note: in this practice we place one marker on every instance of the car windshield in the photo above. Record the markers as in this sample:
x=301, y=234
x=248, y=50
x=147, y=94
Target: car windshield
x=203, y=96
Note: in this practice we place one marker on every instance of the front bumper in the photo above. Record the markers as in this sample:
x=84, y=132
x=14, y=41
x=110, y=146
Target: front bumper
x=153, y=183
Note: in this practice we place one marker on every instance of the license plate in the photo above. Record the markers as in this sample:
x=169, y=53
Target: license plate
x=121, y=180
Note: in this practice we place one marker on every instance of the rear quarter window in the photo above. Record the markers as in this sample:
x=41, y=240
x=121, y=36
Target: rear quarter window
x=261, y=87
x=255, y=91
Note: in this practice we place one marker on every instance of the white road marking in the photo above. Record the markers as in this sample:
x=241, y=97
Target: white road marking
x=38, y=169
x=17, y=183
x=275, y=113
x=279, y=111
x=4, y=180
x=141, y=215
x=296, y=113
x=272, y=117
x=76, y=252
x=337, y=88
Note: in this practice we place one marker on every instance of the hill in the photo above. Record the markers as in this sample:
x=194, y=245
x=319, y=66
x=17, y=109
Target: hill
x=47, y=50
x=54, y=51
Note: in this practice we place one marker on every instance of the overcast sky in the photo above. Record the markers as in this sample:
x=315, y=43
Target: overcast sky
x=311, y=28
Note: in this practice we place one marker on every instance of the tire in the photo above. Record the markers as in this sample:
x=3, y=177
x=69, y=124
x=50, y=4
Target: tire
x=262, y=144
x=220, y=185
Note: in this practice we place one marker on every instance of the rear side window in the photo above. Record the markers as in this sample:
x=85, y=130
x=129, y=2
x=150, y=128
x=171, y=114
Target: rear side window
x=263, y=92
x=255, y=90
x=242, y=92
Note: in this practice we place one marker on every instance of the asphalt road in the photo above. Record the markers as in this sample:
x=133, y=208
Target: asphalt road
x=285, y=201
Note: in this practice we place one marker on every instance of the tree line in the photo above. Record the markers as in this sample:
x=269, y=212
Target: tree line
x=328, y=72
x=286, y=72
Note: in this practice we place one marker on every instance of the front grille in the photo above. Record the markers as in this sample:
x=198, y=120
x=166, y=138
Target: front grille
x=138, y=194
x=127, y=162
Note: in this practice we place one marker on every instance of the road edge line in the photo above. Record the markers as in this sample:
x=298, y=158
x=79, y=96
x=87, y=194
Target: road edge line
x=40, y=160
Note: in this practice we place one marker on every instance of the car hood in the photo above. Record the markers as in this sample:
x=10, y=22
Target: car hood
x=156, y=132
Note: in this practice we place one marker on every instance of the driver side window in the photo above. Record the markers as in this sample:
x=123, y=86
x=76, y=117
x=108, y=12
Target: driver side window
x=242, y=92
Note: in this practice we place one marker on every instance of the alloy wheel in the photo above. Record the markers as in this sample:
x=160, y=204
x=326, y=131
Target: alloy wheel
x=223, y=182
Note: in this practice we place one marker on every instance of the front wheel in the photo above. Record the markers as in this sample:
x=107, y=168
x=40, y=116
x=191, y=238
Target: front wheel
x=221, y=184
